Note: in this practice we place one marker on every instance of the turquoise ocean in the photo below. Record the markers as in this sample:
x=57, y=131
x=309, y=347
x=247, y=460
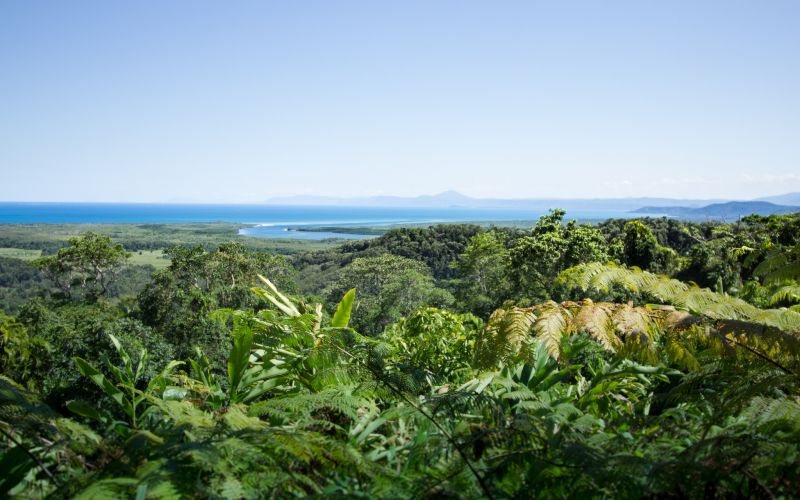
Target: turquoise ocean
x=267, y=221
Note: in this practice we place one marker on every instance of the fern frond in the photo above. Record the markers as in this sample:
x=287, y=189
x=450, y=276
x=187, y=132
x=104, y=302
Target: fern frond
x=552, y=324
x=786, y=293
x=678, y=353
x=779, y=265
x=630, y=320
x=505, y=336
x=679, y=320
x=596, y=320
x=699, y=301
x=772, y=414
x=638, y=332
x=300, y=409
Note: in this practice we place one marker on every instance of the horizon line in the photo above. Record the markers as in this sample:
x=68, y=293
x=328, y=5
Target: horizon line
x=270, y=200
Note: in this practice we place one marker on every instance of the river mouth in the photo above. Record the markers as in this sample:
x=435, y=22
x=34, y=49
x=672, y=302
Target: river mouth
x=303, y=232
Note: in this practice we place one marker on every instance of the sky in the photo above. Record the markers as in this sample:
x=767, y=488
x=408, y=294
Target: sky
x=194, y=101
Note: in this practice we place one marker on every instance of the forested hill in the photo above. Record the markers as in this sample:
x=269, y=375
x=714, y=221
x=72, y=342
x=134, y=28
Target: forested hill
x=630, y=359
x=728, y=211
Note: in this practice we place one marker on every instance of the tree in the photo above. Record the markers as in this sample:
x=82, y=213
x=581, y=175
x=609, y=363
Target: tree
x=641, y=249
x=436, y=341
x=388, y=288
x=482, y=274
x=179, y=299
x=550, y=248
x=22, y=357
x=86, y=267
x=59, y=332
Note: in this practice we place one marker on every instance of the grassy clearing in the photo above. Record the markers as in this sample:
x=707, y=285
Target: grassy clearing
x=153, y=258
x=150, y=237
x=20, y=253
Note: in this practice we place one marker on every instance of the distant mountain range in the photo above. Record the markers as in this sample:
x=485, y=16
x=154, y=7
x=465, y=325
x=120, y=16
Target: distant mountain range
x=731, y=210
x=792, y=199
x=683, y=208
x=452, y=199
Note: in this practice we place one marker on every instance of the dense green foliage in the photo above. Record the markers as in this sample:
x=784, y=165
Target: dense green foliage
x=19, y=282
x=648, y=358
x=49, y=238
x=390, y=287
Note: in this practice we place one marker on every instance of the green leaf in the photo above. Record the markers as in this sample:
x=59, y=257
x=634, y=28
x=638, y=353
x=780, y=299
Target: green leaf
x=126, y=359
x=281, y=301
x=141, y=492
x=15, y=464
x=149, y=436
x=239, y=359
x=141, y=365
x=84, y=409
x=341, y=318
x=280, y=305
x=161, y=379
x=89, y=371
x=119, y=487
x=174, y=393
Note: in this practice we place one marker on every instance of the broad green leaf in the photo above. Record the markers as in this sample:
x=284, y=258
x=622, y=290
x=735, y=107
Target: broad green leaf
x=341, y=318
x=280, y=305
x=141, y=365
x=89, y=371
x=84, y=409
x=15, y=464
x=239, y=358
x=126, y=359
x=174, y=393
x=149, y=436
x=284, y=304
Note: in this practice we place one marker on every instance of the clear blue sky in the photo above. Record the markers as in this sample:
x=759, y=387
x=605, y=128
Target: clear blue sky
x=240, y=101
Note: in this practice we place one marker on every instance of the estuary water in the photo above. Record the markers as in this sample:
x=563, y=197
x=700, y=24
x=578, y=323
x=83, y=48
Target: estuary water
x=268, y=221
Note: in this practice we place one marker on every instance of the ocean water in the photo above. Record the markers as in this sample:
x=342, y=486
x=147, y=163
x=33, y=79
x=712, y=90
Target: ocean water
x=268, y=221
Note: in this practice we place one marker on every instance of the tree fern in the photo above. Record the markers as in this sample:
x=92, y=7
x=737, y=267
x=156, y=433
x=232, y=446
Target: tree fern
x=779, y=265
x=505, y=336
x=726, y=314
x=596, y=320
x=786, y=293
x=552, y=324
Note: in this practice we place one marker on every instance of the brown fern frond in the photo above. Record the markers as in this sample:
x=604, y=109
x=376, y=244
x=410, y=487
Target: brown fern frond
x=552, y=324
x=698, y=301
x=505, y=336
x=630, y=320
x=595, y=319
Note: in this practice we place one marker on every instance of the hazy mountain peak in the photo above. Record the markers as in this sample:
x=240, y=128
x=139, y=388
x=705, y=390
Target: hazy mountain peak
x=783, y=199
x=730, y=210
x=447, y=196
